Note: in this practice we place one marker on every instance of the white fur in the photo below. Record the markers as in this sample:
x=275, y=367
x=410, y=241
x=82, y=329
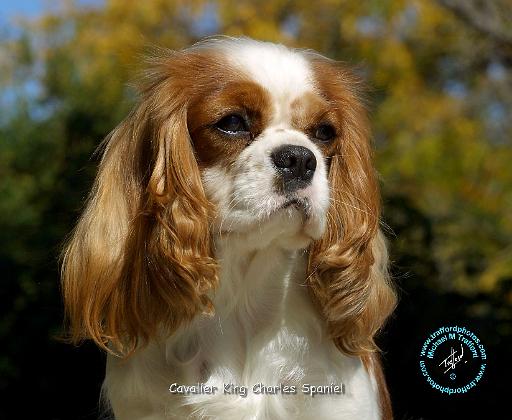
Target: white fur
x=245, y=196
x=265, y=328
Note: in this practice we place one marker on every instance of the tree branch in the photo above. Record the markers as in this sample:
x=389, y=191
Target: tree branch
x=490, y=17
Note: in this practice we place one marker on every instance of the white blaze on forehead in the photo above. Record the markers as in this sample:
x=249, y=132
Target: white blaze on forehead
x=285, y=73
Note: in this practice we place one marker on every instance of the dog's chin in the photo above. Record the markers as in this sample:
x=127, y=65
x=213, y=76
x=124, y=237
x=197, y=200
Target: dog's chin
x=304, y=227
x=291, y=225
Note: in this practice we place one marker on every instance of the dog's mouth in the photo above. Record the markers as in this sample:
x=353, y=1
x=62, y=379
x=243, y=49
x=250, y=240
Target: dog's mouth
x=301, y=204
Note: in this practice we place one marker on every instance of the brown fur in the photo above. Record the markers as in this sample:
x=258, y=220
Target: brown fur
x=348, y=277
x=373, y=365
x=241, y=97
x=141, y=258
x=311, y=110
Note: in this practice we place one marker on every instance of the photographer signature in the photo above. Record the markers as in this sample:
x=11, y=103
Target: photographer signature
x=451, y=361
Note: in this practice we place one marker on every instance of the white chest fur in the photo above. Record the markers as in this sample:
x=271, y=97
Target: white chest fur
x=265, y=333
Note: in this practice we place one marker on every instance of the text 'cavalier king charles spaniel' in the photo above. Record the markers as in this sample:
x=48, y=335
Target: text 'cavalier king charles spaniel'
x=229, y=259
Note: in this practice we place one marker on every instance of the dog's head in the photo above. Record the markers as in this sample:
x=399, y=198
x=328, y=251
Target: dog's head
x=230, y=137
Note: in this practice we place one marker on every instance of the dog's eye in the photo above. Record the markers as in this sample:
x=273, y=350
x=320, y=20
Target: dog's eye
x=325, y=132
x=232, y=124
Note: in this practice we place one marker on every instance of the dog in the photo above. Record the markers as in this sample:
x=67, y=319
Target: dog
x=230, y=259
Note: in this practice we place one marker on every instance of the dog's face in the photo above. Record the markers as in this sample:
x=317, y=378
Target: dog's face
x=231, y=137
x=263, y=141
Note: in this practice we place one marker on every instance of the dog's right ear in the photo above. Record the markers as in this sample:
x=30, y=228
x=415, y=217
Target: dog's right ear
x=140, y=258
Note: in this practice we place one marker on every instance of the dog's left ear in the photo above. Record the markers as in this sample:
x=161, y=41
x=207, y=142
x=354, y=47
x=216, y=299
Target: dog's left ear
x=348, y=266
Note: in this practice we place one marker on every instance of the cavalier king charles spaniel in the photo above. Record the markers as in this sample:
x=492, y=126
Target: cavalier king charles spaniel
x=229, y=258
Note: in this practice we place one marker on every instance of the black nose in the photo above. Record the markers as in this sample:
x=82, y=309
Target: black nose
x=296, y=165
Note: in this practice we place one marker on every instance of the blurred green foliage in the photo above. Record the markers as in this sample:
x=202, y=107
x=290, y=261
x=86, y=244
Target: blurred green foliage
x=441, y=90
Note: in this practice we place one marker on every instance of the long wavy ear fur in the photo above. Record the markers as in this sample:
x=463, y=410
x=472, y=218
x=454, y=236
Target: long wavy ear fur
x=140, y=256
x=348, y=266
